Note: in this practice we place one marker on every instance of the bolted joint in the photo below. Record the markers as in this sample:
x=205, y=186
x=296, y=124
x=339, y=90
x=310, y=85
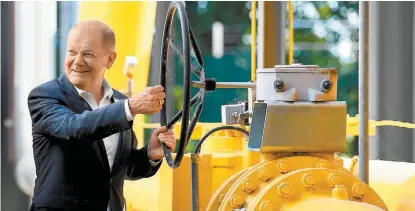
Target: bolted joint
x=334, y=179
x=358, y=190
x=279, y=86
x=284, y=189
x=236, y=201
x=308, y=179
x=266, y=206
x=325, y=85
x=249, y=186
x=282, y=166
x=322, y=164
x=264, y=174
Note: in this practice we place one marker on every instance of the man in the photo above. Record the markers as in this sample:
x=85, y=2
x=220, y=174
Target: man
x=83, y=143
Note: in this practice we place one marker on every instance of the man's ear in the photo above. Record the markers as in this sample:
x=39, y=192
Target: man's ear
x=111, y=59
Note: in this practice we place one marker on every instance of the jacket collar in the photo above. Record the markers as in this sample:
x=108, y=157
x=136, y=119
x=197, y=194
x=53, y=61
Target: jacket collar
x=108, y=92
x=71, y=89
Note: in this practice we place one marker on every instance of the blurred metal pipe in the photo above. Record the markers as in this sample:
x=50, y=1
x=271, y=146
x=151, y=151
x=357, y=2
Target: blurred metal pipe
x=364, y=91
x=280, y=32
x=271, y=33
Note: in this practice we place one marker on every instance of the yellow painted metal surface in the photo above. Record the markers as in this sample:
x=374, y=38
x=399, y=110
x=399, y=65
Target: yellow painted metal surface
x=133, y=24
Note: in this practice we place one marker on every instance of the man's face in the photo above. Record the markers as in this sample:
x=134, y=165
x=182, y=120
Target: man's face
x=87, y=58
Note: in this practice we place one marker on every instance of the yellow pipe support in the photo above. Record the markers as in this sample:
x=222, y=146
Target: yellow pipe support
x=133, y=24
x=253, y=41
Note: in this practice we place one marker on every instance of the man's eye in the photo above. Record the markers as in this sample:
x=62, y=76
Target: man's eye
x=89, y=55
x=71, y=52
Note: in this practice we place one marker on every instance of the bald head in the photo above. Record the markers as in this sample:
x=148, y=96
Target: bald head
x=90, y=52
x=94, y=26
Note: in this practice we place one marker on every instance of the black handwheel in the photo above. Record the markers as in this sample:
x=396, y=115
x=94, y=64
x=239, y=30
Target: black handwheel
x=187, y=40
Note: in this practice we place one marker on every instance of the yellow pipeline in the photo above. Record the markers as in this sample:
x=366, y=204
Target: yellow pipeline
x=133, y=24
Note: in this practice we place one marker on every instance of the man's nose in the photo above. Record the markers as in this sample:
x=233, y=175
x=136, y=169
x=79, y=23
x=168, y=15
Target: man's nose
x=79, y=60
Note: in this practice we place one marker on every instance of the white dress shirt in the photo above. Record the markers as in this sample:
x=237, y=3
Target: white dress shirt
x=110, y=142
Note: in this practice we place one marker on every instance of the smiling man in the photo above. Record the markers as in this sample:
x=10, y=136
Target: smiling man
x=83, y=143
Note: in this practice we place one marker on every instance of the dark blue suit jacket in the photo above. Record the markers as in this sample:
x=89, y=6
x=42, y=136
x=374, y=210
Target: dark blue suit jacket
x=71, y=163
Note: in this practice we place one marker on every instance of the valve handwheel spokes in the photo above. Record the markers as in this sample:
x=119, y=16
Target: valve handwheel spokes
x=188, y=40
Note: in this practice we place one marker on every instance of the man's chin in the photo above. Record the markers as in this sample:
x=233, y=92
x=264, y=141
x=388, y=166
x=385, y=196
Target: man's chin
x=78, y=81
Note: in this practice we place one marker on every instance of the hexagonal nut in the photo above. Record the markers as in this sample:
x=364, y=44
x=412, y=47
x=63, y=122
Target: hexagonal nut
x=358, y=190
x=248, y=186
x=282, y=166
x=334, y=179
x=266, y=206
x=284, y=189
x=308, y=179
x=264, y=174
x=322, y=164
x=236, y=201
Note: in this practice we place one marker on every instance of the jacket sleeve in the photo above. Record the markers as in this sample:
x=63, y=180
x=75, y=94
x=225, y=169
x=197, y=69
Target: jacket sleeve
x=50, y=117
x=138, y=164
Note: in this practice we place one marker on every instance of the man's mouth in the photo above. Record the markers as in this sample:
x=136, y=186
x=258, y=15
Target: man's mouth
x=80, y=71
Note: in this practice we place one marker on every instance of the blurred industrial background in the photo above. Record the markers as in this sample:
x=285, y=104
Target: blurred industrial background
x=33, y=46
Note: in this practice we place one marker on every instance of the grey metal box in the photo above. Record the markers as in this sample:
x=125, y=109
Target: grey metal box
x=298, y=127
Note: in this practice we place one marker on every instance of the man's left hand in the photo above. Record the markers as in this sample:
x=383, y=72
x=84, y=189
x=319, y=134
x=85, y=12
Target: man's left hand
x=159, y=136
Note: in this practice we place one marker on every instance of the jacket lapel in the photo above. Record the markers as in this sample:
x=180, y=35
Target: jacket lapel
x=79, y=105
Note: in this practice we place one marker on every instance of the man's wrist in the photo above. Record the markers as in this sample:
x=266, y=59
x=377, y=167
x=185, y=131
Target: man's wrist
x=152, y=162
x=128, y=112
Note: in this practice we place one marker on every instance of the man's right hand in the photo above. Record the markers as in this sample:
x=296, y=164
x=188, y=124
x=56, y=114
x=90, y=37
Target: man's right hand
x=149, y=101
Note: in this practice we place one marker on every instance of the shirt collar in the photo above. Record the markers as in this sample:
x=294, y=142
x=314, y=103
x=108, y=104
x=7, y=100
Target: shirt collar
x=105, y=85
